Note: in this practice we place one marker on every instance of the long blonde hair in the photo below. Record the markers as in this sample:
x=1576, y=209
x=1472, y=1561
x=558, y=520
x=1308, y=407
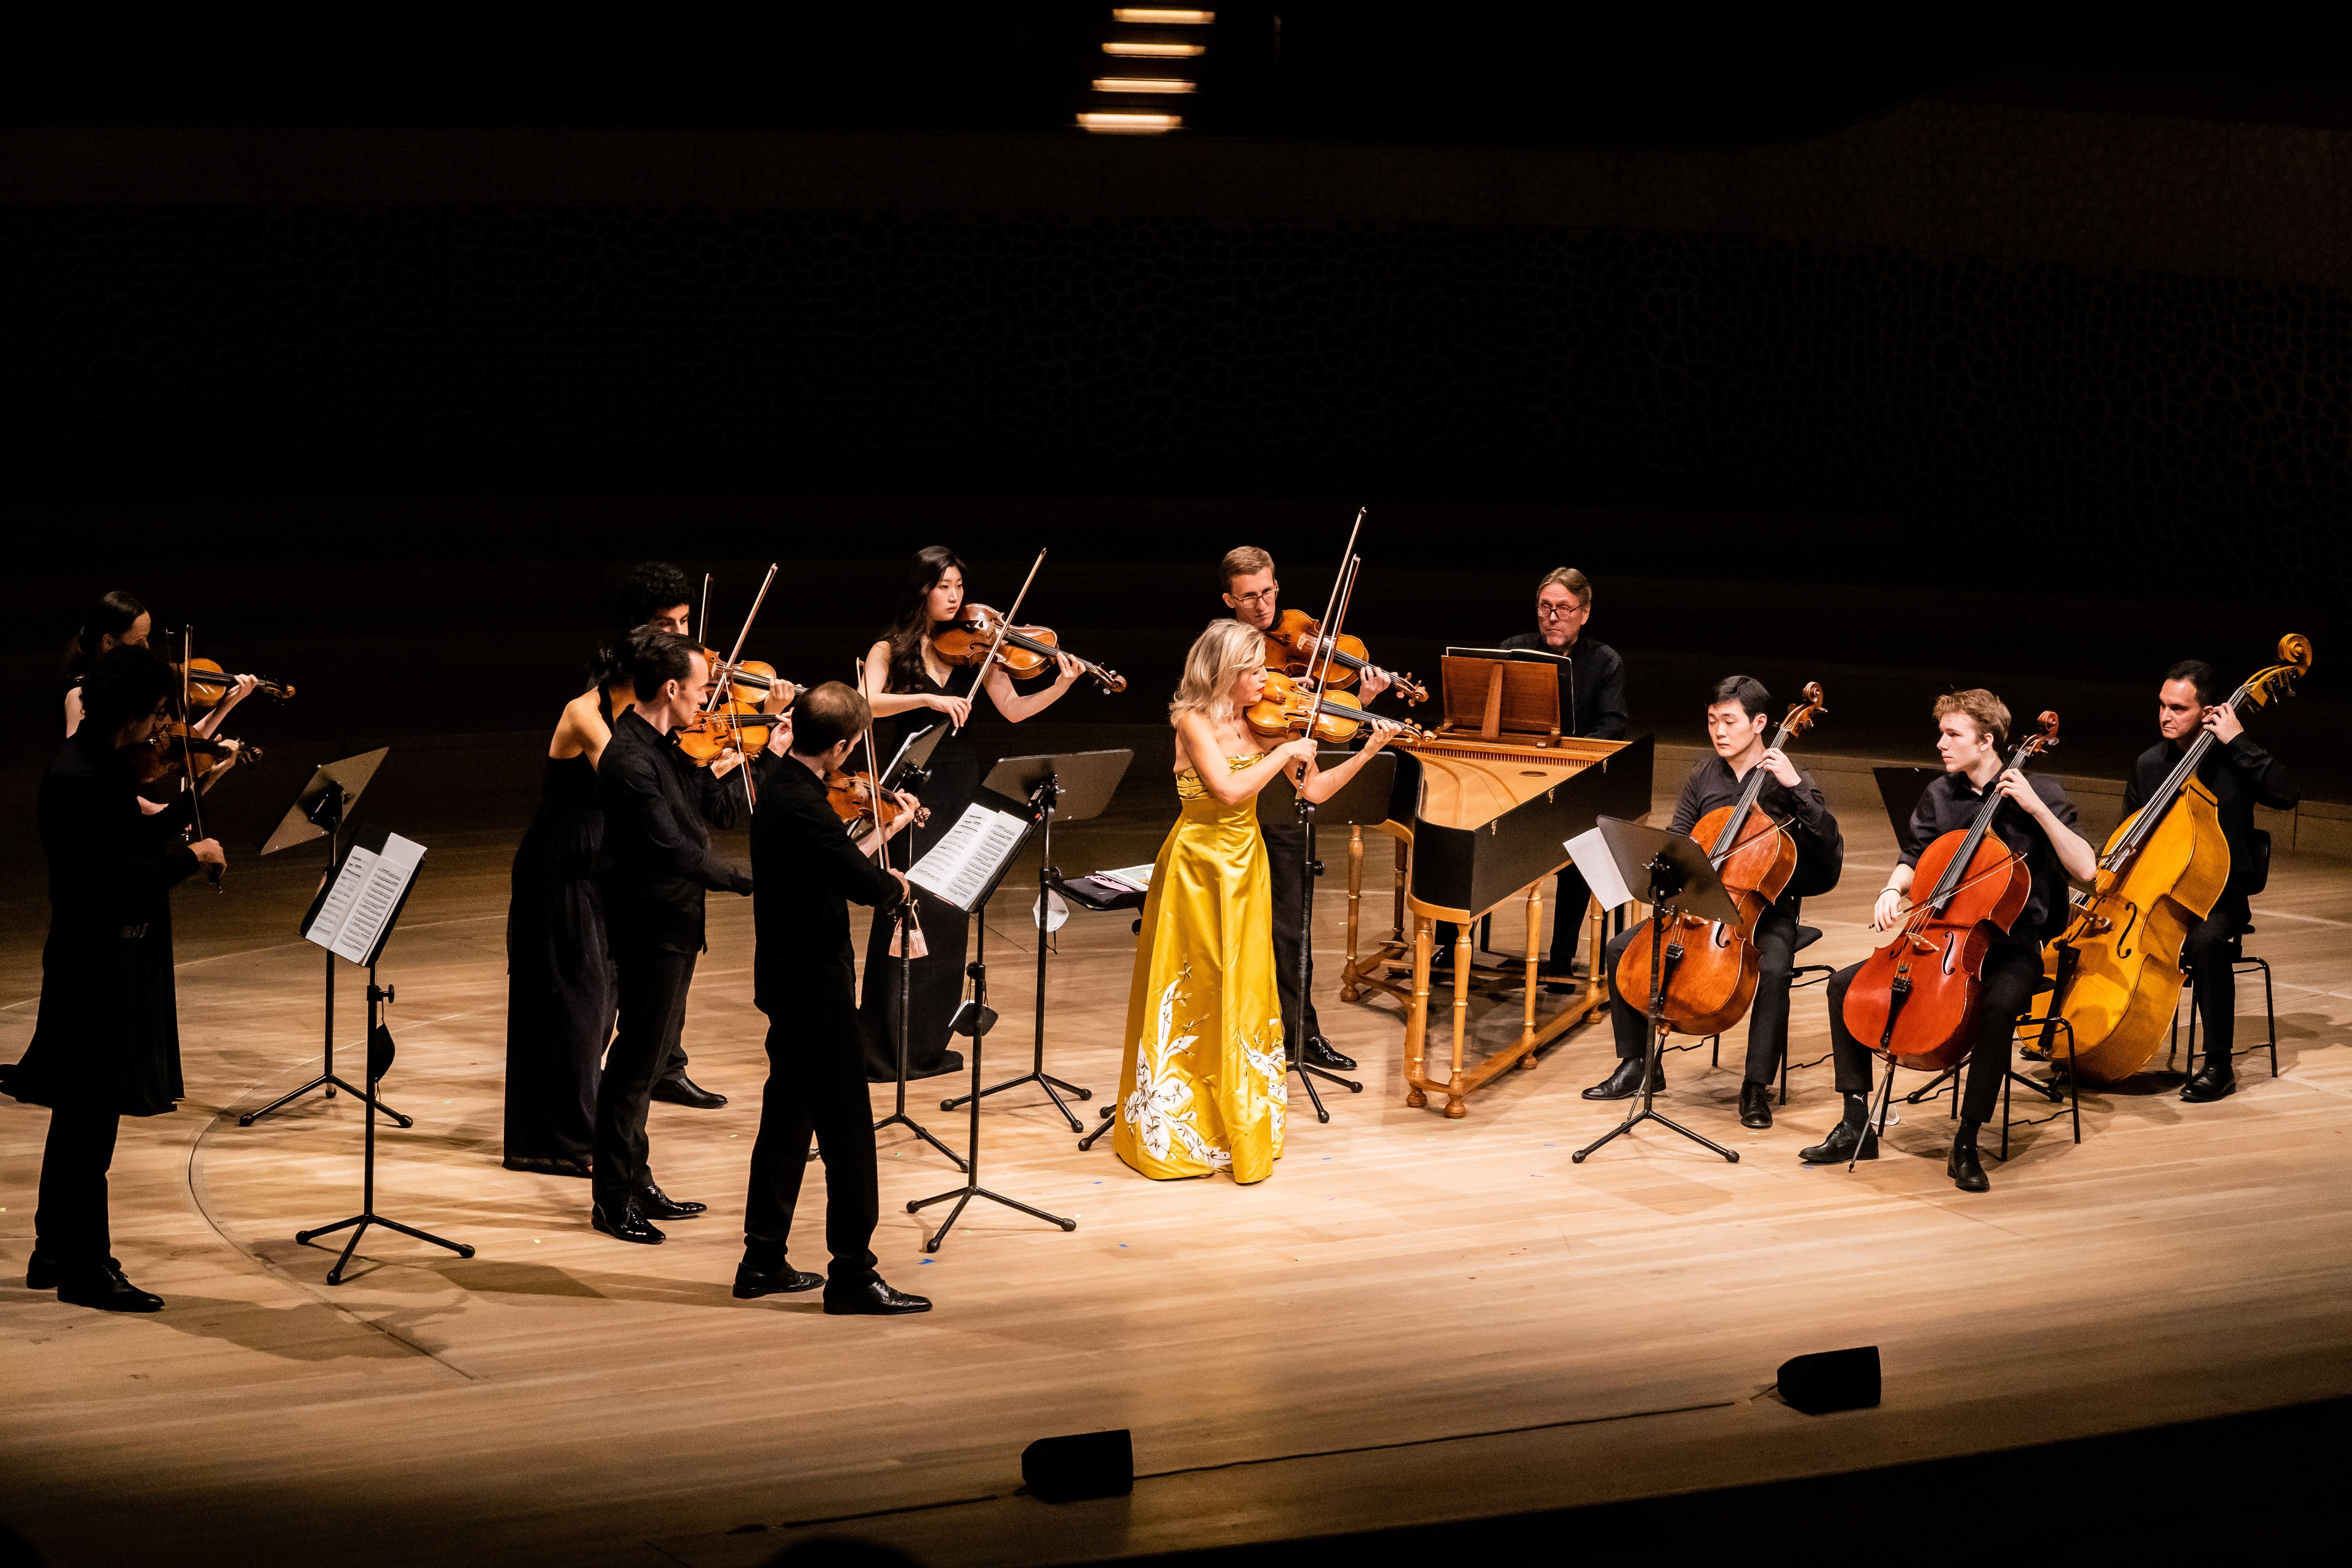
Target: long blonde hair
x=1219, y=654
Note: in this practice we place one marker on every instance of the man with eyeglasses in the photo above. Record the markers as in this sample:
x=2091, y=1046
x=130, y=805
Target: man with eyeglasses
x=1591, y=704
x=1251, y=593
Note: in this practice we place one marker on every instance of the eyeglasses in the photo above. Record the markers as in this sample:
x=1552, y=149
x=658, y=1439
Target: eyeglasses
x=1556, y=612
x=1263, y=596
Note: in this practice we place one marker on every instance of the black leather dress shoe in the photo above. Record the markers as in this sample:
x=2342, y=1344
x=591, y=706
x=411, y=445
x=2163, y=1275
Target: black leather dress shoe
x=2217, y=1080
x=1626, y=1082
x=1963, y=1166
x=1320, y=1054
x=873, y=1299
x=105, y=1289
x=539, y=1165
x=1839, y=1147
x=679, y=1090
x=627, y=1225
x=1755, y=1104
x=655, y=1204
x=42, y=1271
x=781, y=1281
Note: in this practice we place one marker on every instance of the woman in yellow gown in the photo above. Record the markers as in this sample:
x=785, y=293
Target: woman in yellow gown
x=1205, y=1081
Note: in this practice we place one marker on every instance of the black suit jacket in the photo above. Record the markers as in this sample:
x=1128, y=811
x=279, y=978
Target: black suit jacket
x=2241, y=775
x=656, y=861
x=806, y=871
x=1592, y=686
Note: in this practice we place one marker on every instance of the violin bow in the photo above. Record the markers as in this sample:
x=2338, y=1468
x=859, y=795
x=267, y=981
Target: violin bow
x=1002, y=629
x=873, y=776
x=702, y=621
x=187, y=748
x=717, y=691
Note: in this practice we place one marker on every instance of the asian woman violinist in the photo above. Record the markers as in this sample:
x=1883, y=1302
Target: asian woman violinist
x=118, y=620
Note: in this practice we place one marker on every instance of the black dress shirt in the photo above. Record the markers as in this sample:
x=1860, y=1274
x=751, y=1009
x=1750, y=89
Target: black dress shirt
x=2241, y=776
x=1951, y=802
x=1592, y=686
x=1821, y=847
x=656, y=861
x=806, y=871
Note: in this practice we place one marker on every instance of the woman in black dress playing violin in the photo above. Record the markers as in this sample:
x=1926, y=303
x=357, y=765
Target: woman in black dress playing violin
x=904, y=677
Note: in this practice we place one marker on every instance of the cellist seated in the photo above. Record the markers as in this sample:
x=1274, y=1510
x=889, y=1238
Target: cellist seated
x=1737, y=720
x=2035, y=820
x=2241, y=775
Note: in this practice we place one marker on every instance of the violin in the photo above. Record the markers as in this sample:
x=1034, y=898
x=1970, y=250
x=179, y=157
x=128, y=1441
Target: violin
x=1288, y=707
x=980, y=634
x=176, y=751
x=207, y=683
x=2115, y=969
x=854, y=798
x=1294, y=645
x=1712, y=967
x=737, y=712
x=1917, y=998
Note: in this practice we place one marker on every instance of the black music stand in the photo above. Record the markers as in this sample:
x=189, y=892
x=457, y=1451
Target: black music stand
x=909, y=770
x=379, y=1062
x=975, y=1018
x=1075, y=786
x=319, y=810
x=1673, y=875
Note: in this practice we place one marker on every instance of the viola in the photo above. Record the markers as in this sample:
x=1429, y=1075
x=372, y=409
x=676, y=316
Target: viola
x=1295, y=643
x=1711, y=965
x=709, y=736
x=2115, y=971
x=176, y=751
x=1917, y=997
x=207, y=683
x=980, y=634
x=1289, y=707
x=854, y=798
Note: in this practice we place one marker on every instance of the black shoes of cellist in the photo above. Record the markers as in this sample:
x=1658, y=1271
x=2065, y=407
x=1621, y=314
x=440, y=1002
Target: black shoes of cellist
x=1625, y=1081
x=1962, y=1165
x=2217, y=1080
x=1852, y=1138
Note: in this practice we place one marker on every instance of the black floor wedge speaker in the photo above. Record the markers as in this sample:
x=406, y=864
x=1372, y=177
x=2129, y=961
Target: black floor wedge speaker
x=1084, y=1465
x=1833, y=1380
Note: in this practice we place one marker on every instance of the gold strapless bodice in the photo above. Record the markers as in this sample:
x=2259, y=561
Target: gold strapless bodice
x=1199, y=806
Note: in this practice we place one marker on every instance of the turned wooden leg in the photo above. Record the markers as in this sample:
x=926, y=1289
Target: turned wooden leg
x=1460, y=1013
x=1596, y=990
x=1416, y=1019
x=1348, y=990
x=1535, y=937
x=1403, y=876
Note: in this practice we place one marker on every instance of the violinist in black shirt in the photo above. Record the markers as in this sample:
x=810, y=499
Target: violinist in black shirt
x=1735, y=721
x=807, y=865
x=2036, y=821
x=2241, y=775
x=651, y=871
x=1592, y=705
x=107, y=1043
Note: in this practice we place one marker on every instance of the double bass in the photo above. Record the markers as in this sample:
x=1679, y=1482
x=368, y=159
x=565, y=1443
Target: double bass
x=1917, y=999
x=1712, y=966
x=2115, y=969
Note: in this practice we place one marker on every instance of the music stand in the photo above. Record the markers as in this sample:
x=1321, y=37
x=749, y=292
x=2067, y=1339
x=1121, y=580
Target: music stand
x=1673, y=875
x=908, y=770
x=358, y=927
x=1075, y=786
x=319, y=810
x=975, y=1018
x=1362, y=801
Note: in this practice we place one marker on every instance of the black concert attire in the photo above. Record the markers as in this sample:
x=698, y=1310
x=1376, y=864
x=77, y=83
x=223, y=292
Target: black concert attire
x=107, y=1041
x=1820, y=856
x=561, y=991
x=2012, y=965
x=937, y=987
x=651, y=871
x=2241, y=776
x=1592, y=707
x=805, y=868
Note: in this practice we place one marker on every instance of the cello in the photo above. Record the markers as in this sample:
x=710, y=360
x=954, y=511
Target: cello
x=2115, y=969
x=1712, y=967
x=1917, y=998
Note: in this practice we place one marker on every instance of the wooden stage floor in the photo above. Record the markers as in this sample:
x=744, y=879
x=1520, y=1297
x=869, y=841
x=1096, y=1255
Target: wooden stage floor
x=1412, y=1320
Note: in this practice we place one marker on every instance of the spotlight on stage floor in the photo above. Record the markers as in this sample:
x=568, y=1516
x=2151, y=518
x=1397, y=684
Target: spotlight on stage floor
x=1833, y=1380
x=1084, y=1465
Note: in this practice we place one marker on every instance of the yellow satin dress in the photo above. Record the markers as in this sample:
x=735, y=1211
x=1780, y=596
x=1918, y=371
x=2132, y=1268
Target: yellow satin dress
x=1205, y=1083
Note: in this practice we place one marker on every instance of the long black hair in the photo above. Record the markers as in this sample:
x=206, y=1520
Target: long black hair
x=906, y=632
x=112, y=616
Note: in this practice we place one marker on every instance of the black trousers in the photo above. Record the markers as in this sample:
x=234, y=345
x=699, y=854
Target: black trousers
x=2206, y=952
x=653, y=986
x=816, y=1083
x=673, y=1056
x=1568, y=898
x=70, y=1226
x=1285, y=854
x=1768, y=1015
x=2010, y=972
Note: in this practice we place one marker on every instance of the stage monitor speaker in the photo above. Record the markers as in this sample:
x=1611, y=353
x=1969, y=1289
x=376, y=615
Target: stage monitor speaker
x=1833, y=1380
x=1084, y=1465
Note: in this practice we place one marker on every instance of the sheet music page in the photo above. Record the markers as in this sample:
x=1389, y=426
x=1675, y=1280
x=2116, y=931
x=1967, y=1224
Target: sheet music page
x=962, y=863
x=366, y=892
x=1137, y=877
x=1590, y=853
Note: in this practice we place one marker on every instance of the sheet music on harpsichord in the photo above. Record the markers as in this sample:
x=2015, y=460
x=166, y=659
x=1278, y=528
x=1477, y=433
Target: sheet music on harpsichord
x=971, y=855
x=354, y=914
